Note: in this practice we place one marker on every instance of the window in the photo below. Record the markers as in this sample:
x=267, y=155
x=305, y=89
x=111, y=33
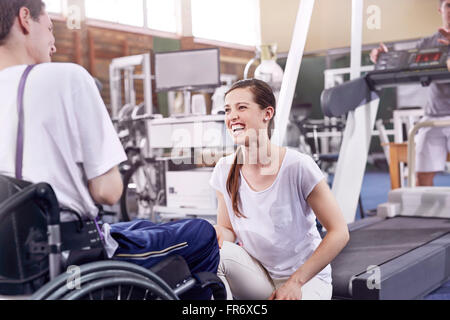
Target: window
x=153, y=14
x=161, y=15
x=128, y=12
x=53, y=6
x=235, y=21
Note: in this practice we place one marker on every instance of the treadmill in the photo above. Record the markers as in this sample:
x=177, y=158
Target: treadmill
x=403, y=252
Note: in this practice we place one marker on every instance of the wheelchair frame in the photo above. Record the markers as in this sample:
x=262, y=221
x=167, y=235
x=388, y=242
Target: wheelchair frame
x=128, y=280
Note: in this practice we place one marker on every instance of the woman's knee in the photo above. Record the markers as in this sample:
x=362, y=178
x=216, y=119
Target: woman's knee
x=229, y=252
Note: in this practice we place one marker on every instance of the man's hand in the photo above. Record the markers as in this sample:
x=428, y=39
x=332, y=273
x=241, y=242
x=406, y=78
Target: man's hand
x=375, y=53
x=446, y=35
x=290, y=290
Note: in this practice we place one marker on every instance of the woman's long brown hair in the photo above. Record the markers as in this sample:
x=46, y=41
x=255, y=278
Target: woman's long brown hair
x=264, y=97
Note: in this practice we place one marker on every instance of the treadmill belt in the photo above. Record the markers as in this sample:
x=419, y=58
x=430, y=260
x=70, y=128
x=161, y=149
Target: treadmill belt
x=381, y=242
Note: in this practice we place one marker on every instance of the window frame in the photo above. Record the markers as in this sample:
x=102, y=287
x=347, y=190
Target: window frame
x=145, y=30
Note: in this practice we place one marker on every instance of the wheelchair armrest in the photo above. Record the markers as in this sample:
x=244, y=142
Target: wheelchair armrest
x=41, y=193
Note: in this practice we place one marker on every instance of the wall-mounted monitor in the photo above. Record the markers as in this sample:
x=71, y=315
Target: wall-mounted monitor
x=187, y=70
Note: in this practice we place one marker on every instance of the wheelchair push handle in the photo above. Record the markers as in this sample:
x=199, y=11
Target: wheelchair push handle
x=41, y=193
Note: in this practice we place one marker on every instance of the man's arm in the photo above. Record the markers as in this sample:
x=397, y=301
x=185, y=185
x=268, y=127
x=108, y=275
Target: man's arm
x=100, y=150
x=446, y=35
x=107, y=188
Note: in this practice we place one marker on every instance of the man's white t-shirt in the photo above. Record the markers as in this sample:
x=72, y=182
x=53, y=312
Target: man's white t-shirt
x=68, y=135
x=280, y=227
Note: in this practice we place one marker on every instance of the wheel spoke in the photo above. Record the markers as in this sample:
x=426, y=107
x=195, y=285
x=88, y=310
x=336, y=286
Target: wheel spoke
x=129, y=293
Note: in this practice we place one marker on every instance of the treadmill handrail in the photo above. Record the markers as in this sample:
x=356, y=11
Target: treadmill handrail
x=429, y=68
x=412, y=146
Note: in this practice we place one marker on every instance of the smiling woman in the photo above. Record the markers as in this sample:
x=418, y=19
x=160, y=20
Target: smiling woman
x=268, y=200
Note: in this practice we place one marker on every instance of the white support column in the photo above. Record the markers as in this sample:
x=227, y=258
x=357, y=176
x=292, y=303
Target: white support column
x=145, y=10
x=356, y=45
x=184, y=18
x=357, y=134
x=292, y=69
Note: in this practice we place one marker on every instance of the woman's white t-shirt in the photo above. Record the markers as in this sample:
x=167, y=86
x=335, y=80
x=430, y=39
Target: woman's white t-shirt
x=280, y=227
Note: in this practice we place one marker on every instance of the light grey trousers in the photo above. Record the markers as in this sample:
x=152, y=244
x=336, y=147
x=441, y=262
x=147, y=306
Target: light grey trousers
x=245, y=278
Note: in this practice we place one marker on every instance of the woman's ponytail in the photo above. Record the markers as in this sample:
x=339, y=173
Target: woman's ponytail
x=233, y=182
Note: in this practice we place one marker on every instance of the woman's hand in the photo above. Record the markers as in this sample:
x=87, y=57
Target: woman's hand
x=290, y=290
x=224, y=234
x=224, y=229
x=219, y=233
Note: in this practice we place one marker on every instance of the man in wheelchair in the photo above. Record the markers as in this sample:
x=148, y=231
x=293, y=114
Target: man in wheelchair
x=59, y=156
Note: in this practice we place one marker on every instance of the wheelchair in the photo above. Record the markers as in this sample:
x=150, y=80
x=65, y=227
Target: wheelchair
x=35, y=248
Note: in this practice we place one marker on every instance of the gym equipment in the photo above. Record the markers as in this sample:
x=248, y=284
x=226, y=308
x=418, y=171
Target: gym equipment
x=144, y=135
x=396, y=258
x=122, y=74
x=268, y=69
x=392, y=69
x=141, y=172
x=187, y=70
x=403, y=252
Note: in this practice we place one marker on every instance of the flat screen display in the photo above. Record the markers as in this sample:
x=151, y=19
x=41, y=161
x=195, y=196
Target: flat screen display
x=188, y=70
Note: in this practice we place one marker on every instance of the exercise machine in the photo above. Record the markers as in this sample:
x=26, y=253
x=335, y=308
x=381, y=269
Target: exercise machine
x=403, y=252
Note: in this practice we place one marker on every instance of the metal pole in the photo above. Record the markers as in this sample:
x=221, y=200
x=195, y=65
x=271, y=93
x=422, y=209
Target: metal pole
x=292, y=69
x=356, y=45
x=357, y=134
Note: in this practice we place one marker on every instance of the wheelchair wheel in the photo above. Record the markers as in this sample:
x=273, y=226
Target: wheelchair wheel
x=119, y=288
x=138, y=196
x=95, y=281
